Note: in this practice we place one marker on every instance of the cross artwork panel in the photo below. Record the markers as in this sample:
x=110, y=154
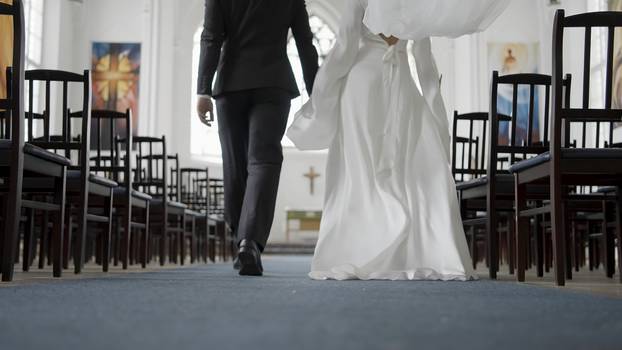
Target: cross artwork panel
x=115, y=81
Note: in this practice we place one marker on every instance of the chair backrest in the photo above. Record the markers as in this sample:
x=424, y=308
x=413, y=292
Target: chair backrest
x=194, y=187
x=72, y=142
x=517, y=111
x=111, y=145
x=216, y=197
x=587, y=118
x=12, y=105
x=174, y=189
x=468, y=160
x=150, y=172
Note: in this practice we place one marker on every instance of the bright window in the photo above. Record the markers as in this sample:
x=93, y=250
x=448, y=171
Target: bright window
x=33, y=11
x=204, y=141
x=598, y=61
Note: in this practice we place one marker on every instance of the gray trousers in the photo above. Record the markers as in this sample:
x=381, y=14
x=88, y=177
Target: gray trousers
x=251, y=126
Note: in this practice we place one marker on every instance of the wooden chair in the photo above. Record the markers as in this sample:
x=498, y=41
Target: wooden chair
x=190, y=216
x=495, y=198
x=167, y=217
x=468, y=164
x=89, y=196
x=111, y=156
x=563, y=167
x=32, y=178
x=471, y=149
x=194, y=186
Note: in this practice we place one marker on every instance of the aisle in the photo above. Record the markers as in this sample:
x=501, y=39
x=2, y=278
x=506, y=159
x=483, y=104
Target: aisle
x=208, y=307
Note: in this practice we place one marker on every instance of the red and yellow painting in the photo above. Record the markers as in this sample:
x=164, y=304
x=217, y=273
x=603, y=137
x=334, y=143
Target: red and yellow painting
x=116, y=78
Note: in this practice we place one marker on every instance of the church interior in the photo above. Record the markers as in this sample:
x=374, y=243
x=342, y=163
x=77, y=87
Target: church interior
x=112, y=220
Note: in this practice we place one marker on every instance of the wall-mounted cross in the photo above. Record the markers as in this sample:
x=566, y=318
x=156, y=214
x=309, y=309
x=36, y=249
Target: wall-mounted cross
x=312, y=175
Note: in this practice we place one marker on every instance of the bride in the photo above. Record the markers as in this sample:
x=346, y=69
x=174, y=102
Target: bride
x=391, y=210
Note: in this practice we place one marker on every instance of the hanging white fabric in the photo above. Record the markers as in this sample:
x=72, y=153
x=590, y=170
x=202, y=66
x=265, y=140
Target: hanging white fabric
x=418, y=19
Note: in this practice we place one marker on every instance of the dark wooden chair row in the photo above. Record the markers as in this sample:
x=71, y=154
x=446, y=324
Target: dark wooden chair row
x=495, y=141
x=23, y=164
x=543, y=189
x=72, y=177
x=562, y=168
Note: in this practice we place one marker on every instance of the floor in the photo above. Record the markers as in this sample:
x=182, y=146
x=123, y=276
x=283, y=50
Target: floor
x=209, y=307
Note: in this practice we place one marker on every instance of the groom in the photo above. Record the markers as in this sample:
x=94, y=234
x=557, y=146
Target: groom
x=245, y=41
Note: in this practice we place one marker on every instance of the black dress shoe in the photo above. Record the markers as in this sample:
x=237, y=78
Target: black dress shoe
x=237, y=265
x=250, y=258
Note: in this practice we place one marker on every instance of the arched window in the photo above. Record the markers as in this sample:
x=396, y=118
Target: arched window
x=206, y=143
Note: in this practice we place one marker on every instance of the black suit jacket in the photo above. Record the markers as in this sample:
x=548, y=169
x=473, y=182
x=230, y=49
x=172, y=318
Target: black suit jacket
x=246, y=42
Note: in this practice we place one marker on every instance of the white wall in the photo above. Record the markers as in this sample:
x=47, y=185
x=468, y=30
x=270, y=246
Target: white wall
x=165, y=28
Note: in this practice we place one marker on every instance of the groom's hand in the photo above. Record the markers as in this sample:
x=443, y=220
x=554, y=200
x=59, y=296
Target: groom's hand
x=205, y=110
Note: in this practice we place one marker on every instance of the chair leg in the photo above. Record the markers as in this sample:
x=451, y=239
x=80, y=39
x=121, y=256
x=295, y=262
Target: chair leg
x=29, y=233
x=163, y=240
x=512, y=243
x=568, y=242
x=80, y=240
x=59, y=221
x=127, y=234
x=193, y=240
x=591, y=252
x=539, y=239
x=222, y=234
x=548, y=249
x=144, y=243
x=522, y=230
x=473, y=246
x=43, y=240
x=146, y=238
x=181, y=240
x=116, y=254
x=609, y=243
x=108, y=233
x=576, y=234
x=12, y=215
x=557, y=231
x=493, y=241
x=67, y=237
x=619, y=229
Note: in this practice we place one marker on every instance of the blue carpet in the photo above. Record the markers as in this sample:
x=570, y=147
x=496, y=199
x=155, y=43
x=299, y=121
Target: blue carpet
x=210, y=307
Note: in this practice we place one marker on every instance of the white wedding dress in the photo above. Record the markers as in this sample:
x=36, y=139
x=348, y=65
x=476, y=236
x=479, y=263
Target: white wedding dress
x=391, y=210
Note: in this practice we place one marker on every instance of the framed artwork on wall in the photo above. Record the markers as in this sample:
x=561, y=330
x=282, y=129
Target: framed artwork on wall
x=116, y=78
